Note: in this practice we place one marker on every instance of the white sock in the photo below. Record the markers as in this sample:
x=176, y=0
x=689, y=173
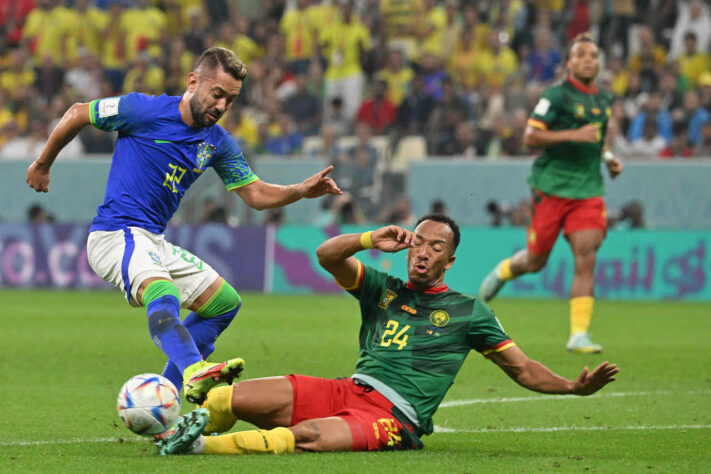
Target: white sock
x=198, y=446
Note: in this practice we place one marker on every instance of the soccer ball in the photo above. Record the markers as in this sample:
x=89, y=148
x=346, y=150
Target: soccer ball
x=148, y=404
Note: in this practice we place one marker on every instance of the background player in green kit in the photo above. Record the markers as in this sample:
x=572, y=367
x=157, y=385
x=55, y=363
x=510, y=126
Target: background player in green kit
x=570, y=124
x=414, y=338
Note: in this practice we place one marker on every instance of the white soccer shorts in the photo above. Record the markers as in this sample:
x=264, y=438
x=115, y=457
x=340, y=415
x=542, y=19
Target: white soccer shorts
x=126, y=258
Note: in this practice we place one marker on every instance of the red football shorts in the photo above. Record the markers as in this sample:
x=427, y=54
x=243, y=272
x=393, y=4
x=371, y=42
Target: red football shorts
x=368, y=413
x=552, y=213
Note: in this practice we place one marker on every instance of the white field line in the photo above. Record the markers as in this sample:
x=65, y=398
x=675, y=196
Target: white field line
x=537, y=398
x=441, y=429
x=549, y=429
x=71, y=441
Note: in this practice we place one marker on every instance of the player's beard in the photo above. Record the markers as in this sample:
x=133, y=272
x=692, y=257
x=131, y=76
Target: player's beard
x=199, y=113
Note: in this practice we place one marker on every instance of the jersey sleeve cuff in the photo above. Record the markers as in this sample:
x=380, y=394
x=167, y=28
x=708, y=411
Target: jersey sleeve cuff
x=535, y=123
x=502, y=346
x=92, y=112
x=233, y=186
x=358, y=280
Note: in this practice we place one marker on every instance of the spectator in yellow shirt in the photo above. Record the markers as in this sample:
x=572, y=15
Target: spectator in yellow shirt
x=397, y=76
x=497, y=63
x=343, y=47
x=46, y=33
x=400, y=25
x=18, y=74
x=88, y=24
x=143, y=26
x=144, y=76
x=114, y=47
x=693, y=62
x=462, y=66
x=647, y=49
x=432, y=28
x=452, y=30
x=296, y=24
x=245, y=47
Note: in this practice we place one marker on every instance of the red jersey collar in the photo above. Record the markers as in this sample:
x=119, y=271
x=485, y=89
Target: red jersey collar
x=582, y=87
x=429, y=291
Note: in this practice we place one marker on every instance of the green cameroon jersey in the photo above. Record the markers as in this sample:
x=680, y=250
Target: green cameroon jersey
x=415, y=342
x=570, y=169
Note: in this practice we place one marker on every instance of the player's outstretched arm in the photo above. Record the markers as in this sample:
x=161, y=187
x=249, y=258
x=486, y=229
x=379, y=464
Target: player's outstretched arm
x=261, y=195
x=535, y=137
x=335, y=254
x=537, y=377
x=77, y=117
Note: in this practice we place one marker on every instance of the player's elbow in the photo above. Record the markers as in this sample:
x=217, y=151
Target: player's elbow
x=78, y=114
x=326, y=257
x=322, y=255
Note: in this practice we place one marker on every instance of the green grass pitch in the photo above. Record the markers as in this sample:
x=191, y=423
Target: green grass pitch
x=65, y=355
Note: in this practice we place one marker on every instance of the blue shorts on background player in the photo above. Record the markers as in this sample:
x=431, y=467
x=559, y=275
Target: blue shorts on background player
x=164, y=144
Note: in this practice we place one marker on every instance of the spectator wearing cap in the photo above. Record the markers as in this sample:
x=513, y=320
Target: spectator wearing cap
x=692, y=61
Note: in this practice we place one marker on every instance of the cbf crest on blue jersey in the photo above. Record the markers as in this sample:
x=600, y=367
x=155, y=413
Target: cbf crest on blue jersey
x=204, y=153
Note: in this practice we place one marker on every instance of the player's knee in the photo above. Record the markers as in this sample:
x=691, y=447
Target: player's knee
x=226, y=301
x=536, y=263
x=307, y=433
x=584, y=262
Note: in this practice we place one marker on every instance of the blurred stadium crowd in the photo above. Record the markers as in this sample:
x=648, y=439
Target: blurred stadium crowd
x=363, y=82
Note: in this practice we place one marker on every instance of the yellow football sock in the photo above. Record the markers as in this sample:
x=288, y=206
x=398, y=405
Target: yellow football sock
x=276, y=441
x=505, y=270
x=581, y=310
x=219, y=403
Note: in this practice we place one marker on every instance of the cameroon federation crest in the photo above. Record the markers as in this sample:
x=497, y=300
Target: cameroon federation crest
x=579, y=110
x=439, y=318
x=386, y=299
x=204, y=153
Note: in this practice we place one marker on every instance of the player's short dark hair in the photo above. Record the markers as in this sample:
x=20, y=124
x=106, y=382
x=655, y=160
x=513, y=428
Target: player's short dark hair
x=444, y=220
x=211, y=58
x=579, y=38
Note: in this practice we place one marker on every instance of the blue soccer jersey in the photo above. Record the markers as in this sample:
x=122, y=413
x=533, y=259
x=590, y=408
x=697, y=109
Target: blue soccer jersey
x=156, y=159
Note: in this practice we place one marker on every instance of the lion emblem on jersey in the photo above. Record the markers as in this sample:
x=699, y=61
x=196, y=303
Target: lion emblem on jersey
x=204, y=153
x=439, y=318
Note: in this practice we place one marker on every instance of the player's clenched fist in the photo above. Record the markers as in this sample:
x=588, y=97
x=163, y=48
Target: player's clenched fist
x=37, y=177
x=587, y=134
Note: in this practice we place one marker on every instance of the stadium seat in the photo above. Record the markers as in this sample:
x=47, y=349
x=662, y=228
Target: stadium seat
x=410, y=148
x=312, y=146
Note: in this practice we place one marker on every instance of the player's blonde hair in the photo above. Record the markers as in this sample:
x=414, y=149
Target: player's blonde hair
x=585, y=37
x=213, y=57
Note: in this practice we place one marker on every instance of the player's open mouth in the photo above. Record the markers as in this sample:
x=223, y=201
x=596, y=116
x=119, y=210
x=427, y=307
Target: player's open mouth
x=420, y=268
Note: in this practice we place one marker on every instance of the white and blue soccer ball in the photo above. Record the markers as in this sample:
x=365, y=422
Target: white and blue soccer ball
x=148, y=404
